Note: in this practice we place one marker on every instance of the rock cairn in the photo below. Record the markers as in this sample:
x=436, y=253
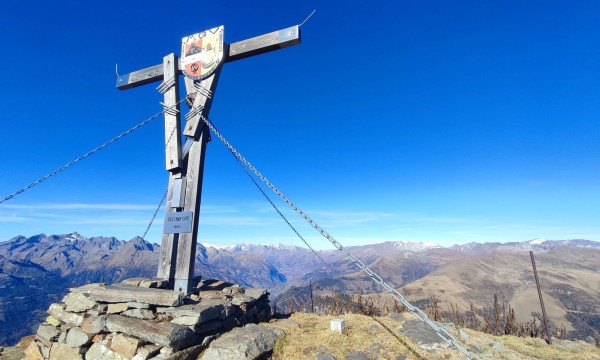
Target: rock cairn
x=139, y=319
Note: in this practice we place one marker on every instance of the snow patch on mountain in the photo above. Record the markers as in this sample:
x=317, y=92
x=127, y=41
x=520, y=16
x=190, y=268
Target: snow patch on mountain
x=416, y=246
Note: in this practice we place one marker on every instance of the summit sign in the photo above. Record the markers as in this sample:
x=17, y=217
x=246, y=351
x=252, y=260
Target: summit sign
x=178, y=222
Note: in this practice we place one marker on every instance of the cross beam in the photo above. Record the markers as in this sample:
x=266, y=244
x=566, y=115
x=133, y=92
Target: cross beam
x=186, y=163
x=236, y=51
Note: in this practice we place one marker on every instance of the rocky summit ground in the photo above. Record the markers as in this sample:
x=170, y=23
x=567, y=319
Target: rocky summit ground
x=393, y=337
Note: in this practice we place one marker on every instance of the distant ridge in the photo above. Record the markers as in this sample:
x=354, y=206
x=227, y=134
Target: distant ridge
x=73, y=259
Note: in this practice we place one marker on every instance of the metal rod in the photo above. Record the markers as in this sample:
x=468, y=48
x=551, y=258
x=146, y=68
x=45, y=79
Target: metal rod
x=539, y=289
x=312, y=305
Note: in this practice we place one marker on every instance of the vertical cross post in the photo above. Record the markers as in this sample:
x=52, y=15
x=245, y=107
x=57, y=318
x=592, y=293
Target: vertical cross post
x=186, y=163
x=170, y=89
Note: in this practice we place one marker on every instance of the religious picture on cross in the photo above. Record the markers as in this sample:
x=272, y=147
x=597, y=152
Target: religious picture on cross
x=201, y=53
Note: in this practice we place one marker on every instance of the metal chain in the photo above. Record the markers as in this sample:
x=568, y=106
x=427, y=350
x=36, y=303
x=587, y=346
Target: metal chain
x=91, y=152
x=154, y=215
x=128, y=265
x=442, y=333
x=280, y=213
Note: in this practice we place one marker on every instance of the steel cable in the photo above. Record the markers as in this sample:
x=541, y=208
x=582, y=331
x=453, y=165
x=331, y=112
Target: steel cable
x=78, y=159
x=442, y=333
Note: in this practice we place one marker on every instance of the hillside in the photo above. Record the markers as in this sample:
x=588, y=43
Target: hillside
x=570, y=280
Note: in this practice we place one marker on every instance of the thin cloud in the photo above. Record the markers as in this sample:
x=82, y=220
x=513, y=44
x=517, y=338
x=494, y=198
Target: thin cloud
x=14, y=219
x=81, y=206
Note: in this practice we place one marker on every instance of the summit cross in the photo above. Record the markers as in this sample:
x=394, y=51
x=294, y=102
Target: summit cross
x=201, y=63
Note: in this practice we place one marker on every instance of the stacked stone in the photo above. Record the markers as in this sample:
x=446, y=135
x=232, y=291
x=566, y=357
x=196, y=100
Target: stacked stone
x=139, y=319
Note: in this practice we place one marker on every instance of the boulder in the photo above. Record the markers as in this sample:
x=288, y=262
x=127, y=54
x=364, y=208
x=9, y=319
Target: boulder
x=249, y=342
x=165, y=334
x=116, y=308
x=77, y=338
x=125, y=345
x=123, y=293
x=144, y=314
x=94, y=324
x=77, y=302
x=58, y=311
x=99, y=351
x=423, y=336
x=48, y=333
x=356, y=355
x=146, y=352
x=33, y=352
x=63, y=352
x=194, y=314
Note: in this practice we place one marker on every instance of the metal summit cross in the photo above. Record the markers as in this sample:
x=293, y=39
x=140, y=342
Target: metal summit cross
x=202, y=57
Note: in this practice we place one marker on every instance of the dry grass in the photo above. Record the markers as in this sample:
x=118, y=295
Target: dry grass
x=379, y=338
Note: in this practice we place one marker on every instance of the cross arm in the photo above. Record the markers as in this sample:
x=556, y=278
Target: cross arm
x=238, y=50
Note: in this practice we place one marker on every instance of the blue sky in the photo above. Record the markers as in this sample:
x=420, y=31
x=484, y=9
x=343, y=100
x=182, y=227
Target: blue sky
x=417, y=121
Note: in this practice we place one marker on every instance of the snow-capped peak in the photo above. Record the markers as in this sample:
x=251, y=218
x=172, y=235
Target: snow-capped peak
x=537, y=241
x=415, y=246
x=74, y=236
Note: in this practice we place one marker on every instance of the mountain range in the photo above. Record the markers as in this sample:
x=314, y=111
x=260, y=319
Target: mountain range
x=37, y=270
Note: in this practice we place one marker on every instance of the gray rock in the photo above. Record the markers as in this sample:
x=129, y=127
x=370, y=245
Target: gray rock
x=123, y=293
x=423, y=336
x=356, y=355
x=208, y=328
x=322, y=353
x=463, y=335
x=233, y=290
x=94, y=324
x=256, y=293
x=44, y=350
x=249, y=342
x=163, y=333
x=48, y=333
x=187, y=354
x=137, y=305
x=324, y=356
x=117, y=308
x=242, y=299
x=144, y=314
x=498, y=346
x=58, y=311
x=77, y=338
x=62, y=338
x=147, y=283
x=64, y=351
x=194, y=314
x=125, y=345
x=77, y=302
x=375, y=349
x=475, y=349
x=145, y=352
x=31, y=352
x=99, y=351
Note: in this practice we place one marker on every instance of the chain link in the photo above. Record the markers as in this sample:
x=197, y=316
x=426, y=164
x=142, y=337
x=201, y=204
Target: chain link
x=442, y=333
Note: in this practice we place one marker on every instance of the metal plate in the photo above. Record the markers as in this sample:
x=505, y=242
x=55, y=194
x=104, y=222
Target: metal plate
x=201, y=53
x=178, y=222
